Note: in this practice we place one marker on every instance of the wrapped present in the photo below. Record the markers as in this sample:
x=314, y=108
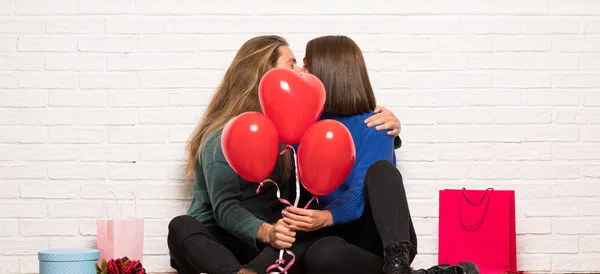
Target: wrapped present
x=68, y=261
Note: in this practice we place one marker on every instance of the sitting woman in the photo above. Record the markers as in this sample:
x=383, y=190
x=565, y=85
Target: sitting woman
x=229, y=227
x=368, y=216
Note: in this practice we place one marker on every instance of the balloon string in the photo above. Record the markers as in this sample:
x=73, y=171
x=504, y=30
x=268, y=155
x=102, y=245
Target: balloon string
x=296, y=201
x=288, y=147
x=279, y=262
x=313, y=199
x=261, y=184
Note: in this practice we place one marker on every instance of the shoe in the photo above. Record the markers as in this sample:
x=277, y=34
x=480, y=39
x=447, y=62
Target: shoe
x=397, y=258
x=438, y=269
x=460, y=268
x=467, y=268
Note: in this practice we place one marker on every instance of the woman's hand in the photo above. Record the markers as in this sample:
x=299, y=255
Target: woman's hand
x=299, y=219
x=384, y=119
x=279, y=235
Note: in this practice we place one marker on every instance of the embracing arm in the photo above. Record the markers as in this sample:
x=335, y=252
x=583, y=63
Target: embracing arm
x=384, y=119
x=397, y=142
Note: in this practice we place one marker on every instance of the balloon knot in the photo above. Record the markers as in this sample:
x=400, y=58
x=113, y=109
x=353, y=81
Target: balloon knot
x=260, y=185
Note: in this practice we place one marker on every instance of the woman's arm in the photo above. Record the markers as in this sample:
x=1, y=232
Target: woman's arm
x=348, y=206
x=225, y=196
x=384, y=119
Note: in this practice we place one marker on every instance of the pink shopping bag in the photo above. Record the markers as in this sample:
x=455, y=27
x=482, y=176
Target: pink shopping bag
x=118, y=238
x=478, y=226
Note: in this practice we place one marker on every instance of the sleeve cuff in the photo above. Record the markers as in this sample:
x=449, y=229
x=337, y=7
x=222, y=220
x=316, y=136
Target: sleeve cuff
x=334, y=213
x=250, y=237
x=397, y=142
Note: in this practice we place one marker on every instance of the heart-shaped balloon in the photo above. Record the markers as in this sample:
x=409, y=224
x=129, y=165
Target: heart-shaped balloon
x=250, y=145
x=326, y=156
x=292, y=101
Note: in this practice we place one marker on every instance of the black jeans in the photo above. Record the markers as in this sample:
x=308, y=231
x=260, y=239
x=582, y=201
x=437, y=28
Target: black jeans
x=197, y=249
x=357, y=247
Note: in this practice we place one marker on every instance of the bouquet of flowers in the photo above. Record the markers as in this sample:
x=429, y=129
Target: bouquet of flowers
x=120, y=266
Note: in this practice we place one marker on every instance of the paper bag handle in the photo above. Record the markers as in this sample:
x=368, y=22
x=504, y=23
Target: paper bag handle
x=106, y=206
x=120, y=209
x=473, y=202
x=134, y=204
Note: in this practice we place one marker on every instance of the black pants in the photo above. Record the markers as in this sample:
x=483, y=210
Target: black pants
x=197, y=249
x=357, y=247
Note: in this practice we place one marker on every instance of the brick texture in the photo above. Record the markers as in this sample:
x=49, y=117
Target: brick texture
x=100, y=95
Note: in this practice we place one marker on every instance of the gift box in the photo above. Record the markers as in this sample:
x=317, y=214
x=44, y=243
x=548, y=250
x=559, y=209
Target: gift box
x=68, y=261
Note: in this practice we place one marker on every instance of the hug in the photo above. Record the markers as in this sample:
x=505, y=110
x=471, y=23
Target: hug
x=362, y=227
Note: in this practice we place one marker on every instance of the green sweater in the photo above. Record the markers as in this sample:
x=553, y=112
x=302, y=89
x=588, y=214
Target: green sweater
x=223, y=198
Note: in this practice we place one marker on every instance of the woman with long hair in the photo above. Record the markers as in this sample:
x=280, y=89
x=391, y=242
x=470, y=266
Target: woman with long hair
x=230, y=228
x=367, y=217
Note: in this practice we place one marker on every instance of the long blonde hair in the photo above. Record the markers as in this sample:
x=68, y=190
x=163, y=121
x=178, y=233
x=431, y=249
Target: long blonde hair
x=237, y=93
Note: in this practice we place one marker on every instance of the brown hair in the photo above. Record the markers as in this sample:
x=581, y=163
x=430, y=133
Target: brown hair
x=338, y=62
x=237, y=93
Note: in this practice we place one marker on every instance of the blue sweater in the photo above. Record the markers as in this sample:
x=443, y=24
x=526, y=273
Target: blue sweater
x=347, y=203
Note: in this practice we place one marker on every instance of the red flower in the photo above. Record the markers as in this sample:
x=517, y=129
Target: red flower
x=137, y=268
x=111, y=267
x=131, y=266
x=121, y=266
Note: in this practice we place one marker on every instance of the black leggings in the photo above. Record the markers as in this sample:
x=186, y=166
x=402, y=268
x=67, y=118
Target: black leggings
x=357, y=247
x=197, y=249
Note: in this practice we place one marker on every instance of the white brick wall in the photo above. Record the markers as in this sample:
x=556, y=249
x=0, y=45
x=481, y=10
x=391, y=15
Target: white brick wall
x=98, y=95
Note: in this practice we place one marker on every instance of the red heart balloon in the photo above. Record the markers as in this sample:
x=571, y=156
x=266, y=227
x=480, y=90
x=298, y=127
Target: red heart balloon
x=292, y=101
x=250, y=145
x=326, y=155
